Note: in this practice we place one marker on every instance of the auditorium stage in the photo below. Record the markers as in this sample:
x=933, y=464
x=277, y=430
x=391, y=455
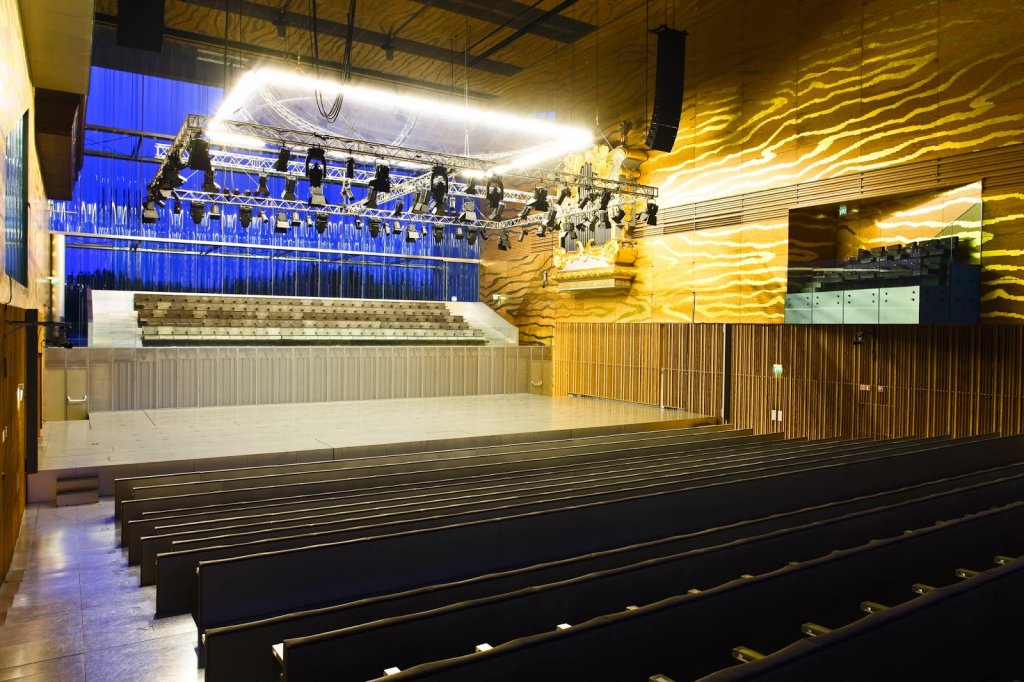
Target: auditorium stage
x=127, y=443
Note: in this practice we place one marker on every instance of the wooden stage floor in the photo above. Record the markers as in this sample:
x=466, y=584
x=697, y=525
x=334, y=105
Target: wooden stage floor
x=115, y=444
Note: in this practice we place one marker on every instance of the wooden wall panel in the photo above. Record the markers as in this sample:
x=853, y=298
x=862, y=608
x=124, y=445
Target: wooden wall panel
x=900, y=381
x=672, y=365
x=13, y=422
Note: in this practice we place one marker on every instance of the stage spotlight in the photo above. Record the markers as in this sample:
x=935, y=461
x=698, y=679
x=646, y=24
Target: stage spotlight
x=169, y=181
x=586, y=197
x=198, y=211
x=210, y=182
x=495, y=191
x=551, y=219
x=412, y=233
x=540, y=199
x=563, y=194
x=245, y=216
x=315, y=174
x=482, y=233
x=235, y=191
x=503, y=242
x=346, y=192
x=471, y=185
x=592, y=223
x=321, y=222
x=396, y=228
x=262, y=190
x=371, y=197
x=495, y=215
x=522, y=234
x=215, y=212
x=358, y=223
x=420, y=200
x=460, y=233
x=525, y=212
x=439, y=189
x=470, y=235
x=289, y=190
x=199, y=153
x=542, y=230
x=570, y=232
x=315, y=157
x=602, y=220
x=606, y=196
x=149, y=214
x=350, y=168
x=618, y=215
x=283, y=157
x=374, y=227
x=468, y=214
x=177, y=206
x=650, y=214
x=316, y=196
x=399, y=207
x=381, y=179
x=261, y=216
x=247, y=192
x=281, y=223
x=437, y=229
x=296, y=220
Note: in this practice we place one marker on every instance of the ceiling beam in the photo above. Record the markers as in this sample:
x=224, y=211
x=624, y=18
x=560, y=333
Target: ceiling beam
x=327, y=27
x=517, y=15
x=523, y=30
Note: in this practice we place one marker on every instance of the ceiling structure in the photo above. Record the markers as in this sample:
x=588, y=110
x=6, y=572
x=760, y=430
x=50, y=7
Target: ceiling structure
x=532, y=57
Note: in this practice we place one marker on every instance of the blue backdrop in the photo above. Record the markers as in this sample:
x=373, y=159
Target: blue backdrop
x=108, y=201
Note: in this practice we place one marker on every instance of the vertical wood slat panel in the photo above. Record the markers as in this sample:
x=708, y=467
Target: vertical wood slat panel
x=900, y=381
x=611, y=361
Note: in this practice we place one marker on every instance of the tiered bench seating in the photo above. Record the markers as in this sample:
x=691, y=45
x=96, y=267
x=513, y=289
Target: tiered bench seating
x=528, y=553
x=176, y=319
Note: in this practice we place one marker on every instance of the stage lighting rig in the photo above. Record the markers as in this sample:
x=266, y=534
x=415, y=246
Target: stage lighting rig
x=439, y=189
x=503, y=242
x=210, y=182
x=460, y=233
x=496, y=214
x=468, y=214
x=618, y=215
x=471, y=185
x=399, y=207
x=215, y=213
x=320, y=222
x=281, y=223
x=551, y=218
x=149, y=214
x=522, y=233
x=381, y=179
x=177, y=206
x=494, y=191
x=437, y=230
x=197, y=211
x=289, y=189
x=412, y=233
x=199, y=153
x=563, y=194
x=374, y=227
x=650, y=214
x=315, y=156
x=420, y=201
x=245, y=216
x=296, y=221
x=283, y=157
x=358, y=224
x=262, y=190
x=540, y=199
x=606, y=196
x=346, y=192
x=471, y=236
x=350, y=168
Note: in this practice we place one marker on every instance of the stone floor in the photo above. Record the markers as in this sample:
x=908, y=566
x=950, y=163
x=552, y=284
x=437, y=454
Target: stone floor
x=73, y=610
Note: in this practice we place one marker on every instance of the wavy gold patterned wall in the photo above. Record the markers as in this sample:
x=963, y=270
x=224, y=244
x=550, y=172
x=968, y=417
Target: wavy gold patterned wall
x=799, y=103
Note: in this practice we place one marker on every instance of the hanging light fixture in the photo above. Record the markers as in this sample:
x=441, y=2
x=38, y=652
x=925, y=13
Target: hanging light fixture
x=197, y=211
x=551, y=218
x=210, y=182
x=374, y=227
x=439, y=189
x=618, y=215
x=315, y=157
x=381, y=179
x=522, y=234
x=296, y=220
x=245, y=215
x=350, y=168
x=471, y=185
x=320, y=222
x=470, y=235
x=262, y=190
x=177, y=206
x=650, y=214
x=606, y=196
x=215, y=212
x=199, y=153
x=149, y=214
x=281, y=223
x=437, y=229
x=468, y=214
x=496, y=214
x=346, y=192
x=540, y=199
x=399, y=207
x=421, y=198
x=283, y=157
x=503, y=242
x=358, y=224
x=412, y=233
x=289, y=190
x=563, y=194
x=460, y=233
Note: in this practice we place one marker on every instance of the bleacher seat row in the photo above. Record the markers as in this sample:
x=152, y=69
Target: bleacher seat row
x=626, y=557
x=171, y=319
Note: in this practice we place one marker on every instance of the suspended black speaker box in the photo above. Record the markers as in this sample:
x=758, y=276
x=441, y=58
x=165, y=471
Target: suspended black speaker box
x=140, y=24
x=668, y=89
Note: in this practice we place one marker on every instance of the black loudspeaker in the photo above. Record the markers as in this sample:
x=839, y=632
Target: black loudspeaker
x=668, y=89
x=140, y=24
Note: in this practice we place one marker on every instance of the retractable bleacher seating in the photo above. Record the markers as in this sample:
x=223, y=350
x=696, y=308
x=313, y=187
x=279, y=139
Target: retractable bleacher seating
x=173, y=319
x=622, y=557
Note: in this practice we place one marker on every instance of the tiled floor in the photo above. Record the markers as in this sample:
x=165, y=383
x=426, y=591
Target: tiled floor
x=111, y=438
x=75, y=611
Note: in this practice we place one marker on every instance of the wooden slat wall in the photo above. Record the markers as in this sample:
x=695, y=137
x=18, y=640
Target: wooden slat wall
x=613, y=361
x=899, y=381
x=628, y=361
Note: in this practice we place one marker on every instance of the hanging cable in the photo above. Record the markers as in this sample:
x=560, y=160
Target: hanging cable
x=330, y=113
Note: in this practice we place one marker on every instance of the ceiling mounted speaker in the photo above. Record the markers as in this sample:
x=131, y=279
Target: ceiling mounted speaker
x=668, y=89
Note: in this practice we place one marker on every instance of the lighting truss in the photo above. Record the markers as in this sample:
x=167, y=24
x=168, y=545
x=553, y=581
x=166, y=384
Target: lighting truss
x=236, y=136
